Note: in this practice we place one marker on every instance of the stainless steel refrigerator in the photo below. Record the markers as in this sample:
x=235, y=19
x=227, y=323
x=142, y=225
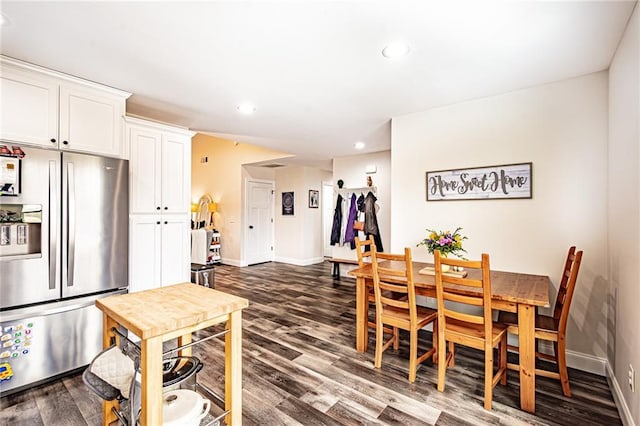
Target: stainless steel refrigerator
x=63, y=244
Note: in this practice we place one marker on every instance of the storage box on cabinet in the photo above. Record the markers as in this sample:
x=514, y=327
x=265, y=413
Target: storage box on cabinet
x=55, y=110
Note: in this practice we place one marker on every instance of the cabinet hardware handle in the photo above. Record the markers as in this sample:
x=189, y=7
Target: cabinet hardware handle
x=165, y=222
x=250, y=226
x=166, y=208
x=53, y=140
x=158, y=223
x=158, y=208
x=65, y=142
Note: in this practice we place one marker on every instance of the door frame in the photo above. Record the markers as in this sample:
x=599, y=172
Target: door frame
x=244, y=261
x=327, y=217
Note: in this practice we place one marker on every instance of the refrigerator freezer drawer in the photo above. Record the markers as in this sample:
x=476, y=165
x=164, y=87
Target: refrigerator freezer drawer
x=47, y=340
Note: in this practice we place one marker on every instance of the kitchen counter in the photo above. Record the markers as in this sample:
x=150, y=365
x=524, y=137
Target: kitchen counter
x=172, y=312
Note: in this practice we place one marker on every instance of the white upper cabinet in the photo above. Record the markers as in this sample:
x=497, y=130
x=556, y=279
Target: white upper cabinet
x=90, y=121
x=145, y=147
x=176, y=173
x=159, y=167
x=29, y=108
x=50, y=109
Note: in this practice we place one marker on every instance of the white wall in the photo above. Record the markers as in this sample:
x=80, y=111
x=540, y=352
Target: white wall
x=352, y=171
x=624, y=212
x=298, y=238
x=223, y=178
x=561, y=128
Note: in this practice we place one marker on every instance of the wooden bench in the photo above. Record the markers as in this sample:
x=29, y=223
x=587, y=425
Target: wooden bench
x=335, y=271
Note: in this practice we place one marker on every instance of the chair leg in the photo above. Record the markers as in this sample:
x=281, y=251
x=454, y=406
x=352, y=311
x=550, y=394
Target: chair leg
x=413, y=355
x=488, y=378
x=434, y=357
x=562, y=367
x=396, y=339
x=502, y=360
x=452, y=351
x=442, y=358
x=379, y=341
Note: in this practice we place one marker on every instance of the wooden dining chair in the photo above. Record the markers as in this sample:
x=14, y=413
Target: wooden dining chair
x=392, y=277
x=478, y=331
x=552, y=328
x=363, y=250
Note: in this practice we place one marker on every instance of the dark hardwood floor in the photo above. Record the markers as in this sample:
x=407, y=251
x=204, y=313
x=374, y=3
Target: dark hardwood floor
x=300, y=367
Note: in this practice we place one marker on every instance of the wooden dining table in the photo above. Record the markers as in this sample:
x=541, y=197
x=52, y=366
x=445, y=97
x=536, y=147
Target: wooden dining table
x=511, y=292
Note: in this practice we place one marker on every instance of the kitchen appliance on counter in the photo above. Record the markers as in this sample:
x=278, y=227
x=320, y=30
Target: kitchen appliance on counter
x=63, y=244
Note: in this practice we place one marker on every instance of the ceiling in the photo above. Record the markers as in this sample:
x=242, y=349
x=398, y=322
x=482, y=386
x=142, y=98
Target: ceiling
x=313, y=69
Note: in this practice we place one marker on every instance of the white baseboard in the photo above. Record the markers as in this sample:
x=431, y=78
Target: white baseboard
x=588, y=363
x=232, y=262
x=299, y=262
x=595, y=365
x=578, y=360
x=623, y=408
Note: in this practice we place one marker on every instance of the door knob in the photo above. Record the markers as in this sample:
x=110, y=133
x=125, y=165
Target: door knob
x=250, y=226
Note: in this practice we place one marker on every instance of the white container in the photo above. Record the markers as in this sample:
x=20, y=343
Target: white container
x=182, y=407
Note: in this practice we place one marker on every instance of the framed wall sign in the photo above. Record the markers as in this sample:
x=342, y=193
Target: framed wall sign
x=480, y=183
x=287, y=203
x=314, y=199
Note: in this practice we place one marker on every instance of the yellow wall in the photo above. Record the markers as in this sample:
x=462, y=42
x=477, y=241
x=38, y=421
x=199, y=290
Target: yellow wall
x=221, y=177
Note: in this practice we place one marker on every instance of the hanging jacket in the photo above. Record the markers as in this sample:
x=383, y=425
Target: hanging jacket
x=350, y=233
x=343, y=225
x=337, y=222
x=361, y=202
x=371, y=221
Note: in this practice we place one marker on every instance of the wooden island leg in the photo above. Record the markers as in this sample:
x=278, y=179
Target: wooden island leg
x=184, y=340
x=233, y=369
x=107, y=324
x=526, y=341
x=151, y=366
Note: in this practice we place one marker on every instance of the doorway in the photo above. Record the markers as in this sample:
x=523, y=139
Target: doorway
x=259, y=222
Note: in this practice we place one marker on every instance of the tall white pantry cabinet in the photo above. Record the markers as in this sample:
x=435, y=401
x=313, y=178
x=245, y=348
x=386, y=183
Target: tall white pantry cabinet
x=159, y=204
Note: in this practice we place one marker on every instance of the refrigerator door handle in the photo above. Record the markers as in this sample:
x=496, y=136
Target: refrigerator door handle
x=71, y=223
x=53, y=224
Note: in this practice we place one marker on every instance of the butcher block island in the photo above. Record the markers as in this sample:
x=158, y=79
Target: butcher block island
x=175, y=312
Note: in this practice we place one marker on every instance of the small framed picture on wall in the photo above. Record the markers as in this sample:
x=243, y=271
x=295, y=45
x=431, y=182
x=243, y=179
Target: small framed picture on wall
x=314, y=199
x=287, y=203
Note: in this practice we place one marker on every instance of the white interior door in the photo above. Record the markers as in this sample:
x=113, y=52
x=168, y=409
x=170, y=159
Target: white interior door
x=327, y=217
x=259, y=222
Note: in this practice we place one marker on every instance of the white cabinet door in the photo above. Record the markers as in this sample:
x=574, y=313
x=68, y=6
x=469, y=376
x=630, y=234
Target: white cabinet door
x=90, y=121
x=144, y=252
x=144, y=171
x=176, y=173
x=176, y=249
x=29, y=108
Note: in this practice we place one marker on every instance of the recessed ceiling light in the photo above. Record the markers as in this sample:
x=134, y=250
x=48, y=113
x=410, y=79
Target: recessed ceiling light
x=395, y=50
x=358, y=145
x=246, y=108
